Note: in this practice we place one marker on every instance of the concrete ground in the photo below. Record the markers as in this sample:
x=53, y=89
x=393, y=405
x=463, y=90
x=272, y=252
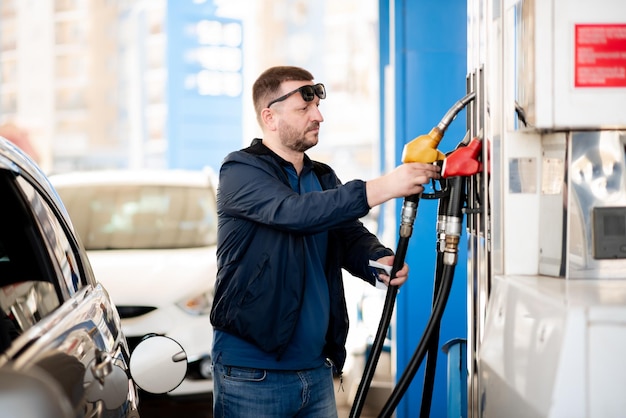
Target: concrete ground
x=377, y=395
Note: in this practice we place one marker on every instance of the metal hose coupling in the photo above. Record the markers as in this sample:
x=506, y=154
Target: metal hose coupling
x=442, y=220
x=407, y=218
x=453, y=235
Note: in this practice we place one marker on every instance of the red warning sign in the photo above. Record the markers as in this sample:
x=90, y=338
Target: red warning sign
x=600, y=55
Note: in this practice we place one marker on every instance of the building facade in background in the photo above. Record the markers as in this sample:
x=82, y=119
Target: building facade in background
x=166, y=83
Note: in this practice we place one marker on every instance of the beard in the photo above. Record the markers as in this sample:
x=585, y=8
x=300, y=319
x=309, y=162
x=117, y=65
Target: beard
x=295, y=140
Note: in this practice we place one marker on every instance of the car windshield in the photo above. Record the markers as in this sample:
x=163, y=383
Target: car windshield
x=141, y=217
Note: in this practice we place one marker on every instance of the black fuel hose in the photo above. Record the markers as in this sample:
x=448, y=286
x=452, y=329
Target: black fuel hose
x=392, y=291
x=432, y=327
x=403, y=243
x=453, y=209
x=433, y=346
x=431, y=357
x=449, y=208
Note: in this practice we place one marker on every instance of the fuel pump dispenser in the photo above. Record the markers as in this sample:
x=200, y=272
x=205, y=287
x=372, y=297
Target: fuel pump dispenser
x=544, y=185
x=458, y=165
x=463, y=163
x=547, y=253
x=424, y=149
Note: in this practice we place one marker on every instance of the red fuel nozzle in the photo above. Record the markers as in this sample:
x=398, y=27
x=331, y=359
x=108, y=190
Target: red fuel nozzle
x=423, y=149
x=463, y=161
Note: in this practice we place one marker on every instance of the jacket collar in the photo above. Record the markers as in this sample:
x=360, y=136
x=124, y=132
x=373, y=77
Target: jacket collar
x=257, y=147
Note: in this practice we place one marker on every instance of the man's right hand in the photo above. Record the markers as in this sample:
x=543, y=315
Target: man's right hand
x=405, y=180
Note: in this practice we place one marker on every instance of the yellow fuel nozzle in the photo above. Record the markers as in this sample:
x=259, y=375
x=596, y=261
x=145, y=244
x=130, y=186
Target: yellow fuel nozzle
x=423, y=149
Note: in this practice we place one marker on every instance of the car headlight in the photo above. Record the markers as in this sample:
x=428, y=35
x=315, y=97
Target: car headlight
x=197, y=305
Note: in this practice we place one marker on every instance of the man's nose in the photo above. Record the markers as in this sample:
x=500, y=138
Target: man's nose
x=317, y=115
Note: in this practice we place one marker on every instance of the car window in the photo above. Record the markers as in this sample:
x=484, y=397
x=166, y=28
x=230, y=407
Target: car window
x=141, y=217
x=34, y=253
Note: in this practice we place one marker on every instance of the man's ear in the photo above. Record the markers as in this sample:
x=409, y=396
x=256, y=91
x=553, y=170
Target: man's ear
x=267, y=116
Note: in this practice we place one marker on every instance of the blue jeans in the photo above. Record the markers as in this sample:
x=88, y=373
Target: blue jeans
x=255, y=393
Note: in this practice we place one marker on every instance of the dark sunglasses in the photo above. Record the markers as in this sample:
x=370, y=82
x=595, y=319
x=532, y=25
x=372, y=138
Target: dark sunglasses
x=308, y=93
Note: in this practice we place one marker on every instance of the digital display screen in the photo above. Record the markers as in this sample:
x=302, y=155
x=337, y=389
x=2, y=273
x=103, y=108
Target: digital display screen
x=609, y=232
x=614, y=225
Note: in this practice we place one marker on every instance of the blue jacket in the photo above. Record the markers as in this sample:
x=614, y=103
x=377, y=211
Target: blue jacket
x=260, y=252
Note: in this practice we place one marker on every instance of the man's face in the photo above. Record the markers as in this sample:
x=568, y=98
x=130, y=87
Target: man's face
x=299, y=120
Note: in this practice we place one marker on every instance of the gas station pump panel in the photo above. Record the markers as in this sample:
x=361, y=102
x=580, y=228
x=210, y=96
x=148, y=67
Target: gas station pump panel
x=548, y=341
x=570, y=63
x=569, y=80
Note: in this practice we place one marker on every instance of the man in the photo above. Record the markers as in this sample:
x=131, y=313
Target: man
x=286, y=227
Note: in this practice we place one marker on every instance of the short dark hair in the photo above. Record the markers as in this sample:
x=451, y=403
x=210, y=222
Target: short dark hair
x=267, y=85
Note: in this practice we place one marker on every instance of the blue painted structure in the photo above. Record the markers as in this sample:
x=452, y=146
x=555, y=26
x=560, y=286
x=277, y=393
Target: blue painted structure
x=205, y=82
x=430, y=77
x=456, y=351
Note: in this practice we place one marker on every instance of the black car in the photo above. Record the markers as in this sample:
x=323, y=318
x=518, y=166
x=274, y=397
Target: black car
x=62, y=349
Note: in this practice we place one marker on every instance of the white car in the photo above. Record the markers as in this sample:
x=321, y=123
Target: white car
x=151, y=236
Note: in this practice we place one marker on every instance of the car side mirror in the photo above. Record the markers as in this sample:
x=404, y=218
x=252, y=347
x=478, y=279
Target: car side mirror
x=158, y=364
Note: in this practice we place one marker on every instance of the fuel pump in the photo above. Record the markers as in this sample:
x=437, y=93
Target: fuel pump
x=547, y=283
x=458, y=165
x=421, y=149
x=463, y=163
